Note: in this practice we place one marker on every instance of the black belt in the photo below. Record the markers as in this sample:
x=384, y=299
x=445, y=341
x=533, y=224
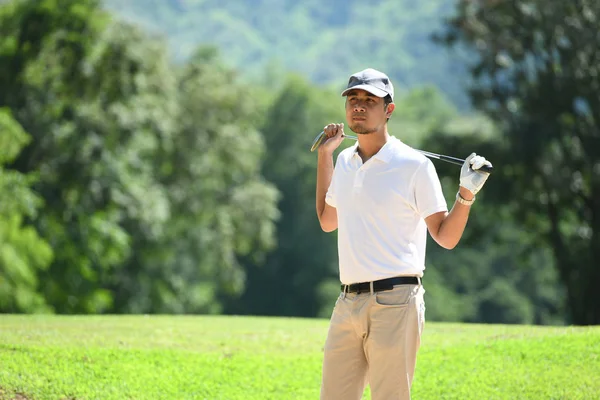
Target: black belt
x=384, y=284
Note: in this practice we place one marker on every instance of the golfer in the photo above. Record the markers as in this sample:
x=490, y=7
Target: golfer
x=382, y=196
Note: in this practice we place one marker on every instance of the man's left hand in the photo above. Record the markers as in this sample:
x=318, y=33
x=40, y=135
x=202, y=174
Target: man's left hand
x=470, y=177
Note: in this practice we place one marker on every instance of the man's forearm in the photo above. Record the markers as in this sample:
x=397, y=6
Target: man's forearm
x=324, y=174
x=453, y=226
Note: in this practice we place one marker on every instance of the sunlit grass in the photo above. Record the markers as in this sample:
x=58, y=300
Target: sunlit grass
x=166, y=357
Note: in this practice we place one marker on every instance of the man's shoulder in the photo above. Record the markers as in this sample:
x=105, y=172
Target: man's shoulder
x=346, y=153
x=406, y=156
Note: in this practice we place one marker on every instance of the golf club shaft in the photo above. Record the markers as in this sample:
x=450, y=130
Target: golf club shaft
x=441, y=157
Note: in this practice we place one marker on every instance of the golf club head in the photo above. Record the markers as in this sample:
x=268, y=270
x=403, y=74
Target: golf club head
x=318, y=140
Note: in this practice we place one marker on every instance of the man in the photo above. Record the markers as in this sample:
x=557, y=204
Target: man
x=383, y=197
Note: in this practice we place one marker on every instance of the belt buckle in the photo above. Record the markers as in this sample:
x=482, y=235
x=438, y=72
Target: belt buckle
x=355, y=288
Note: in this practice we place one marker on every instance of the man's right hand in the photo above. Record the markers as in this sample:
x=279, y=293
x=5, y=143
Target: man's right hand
x=335, y=135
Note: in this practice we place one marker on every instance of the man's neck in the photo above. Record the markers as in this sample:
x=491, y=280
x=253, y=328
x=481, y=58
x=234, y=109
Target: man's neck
x=370, y=144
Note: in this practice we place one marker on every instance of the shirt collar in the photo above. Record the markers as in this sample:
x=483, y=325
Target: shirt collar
x=384, y=154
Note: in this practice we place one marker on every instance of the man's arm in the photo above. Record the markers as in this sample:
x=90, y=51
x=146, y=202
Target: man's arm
x=446, y=228
x=327, y=214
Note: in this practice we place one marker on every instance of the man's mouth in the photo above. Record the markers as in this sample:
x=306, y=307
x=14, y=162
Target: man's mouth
x=359, y=118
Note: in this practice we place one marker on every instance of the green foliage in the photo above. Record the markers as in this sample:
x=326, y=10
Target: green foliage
x=443, y=301
x=145, y=186
x=23, y=254
x=494, y=250
x=287, y=282
x=324, y=43
x=419, y=113
x=536, y=75
x=87, y=98
x=151, y=184
x=222, y=209
x=13, y=137
x=277, y=358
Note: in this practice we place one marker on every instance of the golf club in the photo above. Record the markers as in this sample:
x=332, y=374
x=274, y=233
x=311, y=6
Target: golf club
x=453, y=160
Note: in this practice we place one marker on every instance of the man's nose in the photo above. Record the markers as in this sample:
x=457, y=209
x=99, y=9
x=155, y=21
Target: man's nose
x=359, y=106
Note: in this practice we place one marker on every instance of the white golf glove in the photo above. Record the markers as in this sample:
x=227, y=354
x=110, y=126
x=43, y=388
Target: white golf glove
x=470, y=178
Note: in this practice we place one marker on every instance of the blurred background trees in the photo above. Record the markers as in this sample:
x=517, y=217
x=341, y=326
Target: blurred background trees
x=23, y=254
x=150, y=184
x=144, y=171
x=537, y=75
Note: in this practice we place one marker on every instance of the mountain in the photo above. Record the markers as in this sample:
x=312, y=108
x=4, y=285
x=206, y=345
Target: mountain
x=324, y=41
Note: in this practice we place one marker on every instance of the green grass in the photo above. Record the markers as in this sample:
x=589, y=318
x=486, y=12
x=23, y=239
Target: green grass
x=166, y=357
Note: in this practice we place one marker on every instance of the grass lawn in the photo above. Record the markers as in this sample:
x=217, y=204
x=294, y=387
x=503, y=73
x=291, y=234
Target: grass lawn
x=177, y=357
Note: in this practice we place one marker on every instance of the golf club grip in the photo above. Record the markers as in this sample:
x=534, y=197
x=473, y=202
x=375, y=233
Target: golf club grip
x=487, y=169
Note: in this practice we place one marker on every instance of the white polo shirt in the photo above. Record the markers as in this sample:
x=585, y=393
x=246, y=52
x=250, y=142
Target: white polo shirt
x=381, y=206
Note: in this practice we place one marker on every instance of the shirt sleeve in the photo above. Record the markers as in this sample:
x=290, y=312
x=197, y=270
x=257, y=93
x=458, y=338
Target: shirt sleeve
x=429, y=197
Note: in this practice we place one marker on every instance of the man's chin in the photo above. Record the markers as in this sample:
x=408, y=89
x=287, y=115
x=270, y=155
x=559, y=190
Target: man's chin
x=360, y=130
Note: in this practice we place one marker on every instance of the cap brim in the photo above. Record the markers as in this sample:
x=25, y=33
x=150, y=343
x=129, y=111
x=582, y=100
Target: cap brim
x=368, y=88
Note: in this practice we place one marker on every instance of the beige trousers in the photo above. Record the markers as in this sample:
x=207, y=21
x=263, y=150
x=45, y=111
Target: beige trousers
x=373, y=339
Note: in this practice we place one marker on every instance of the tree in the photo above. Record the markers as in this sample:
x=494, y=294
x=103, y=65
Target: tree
x=150, y=175
x=97, y=109
x=22, y=252
x=222, y=210
x=305, y=257
x=538, y=76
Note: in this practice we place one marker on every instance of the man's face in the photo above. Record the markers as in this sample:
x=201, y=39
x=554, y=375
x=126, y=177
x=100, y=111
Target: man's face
x=365, y=112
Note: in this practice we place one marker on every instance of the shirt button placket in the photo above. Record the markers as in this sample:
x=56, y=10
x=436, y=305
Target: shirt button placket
x=358, y=179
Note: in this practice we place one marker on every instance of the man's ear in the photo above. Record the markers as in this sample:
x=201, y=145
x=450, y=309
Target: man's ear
x=390, y=109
